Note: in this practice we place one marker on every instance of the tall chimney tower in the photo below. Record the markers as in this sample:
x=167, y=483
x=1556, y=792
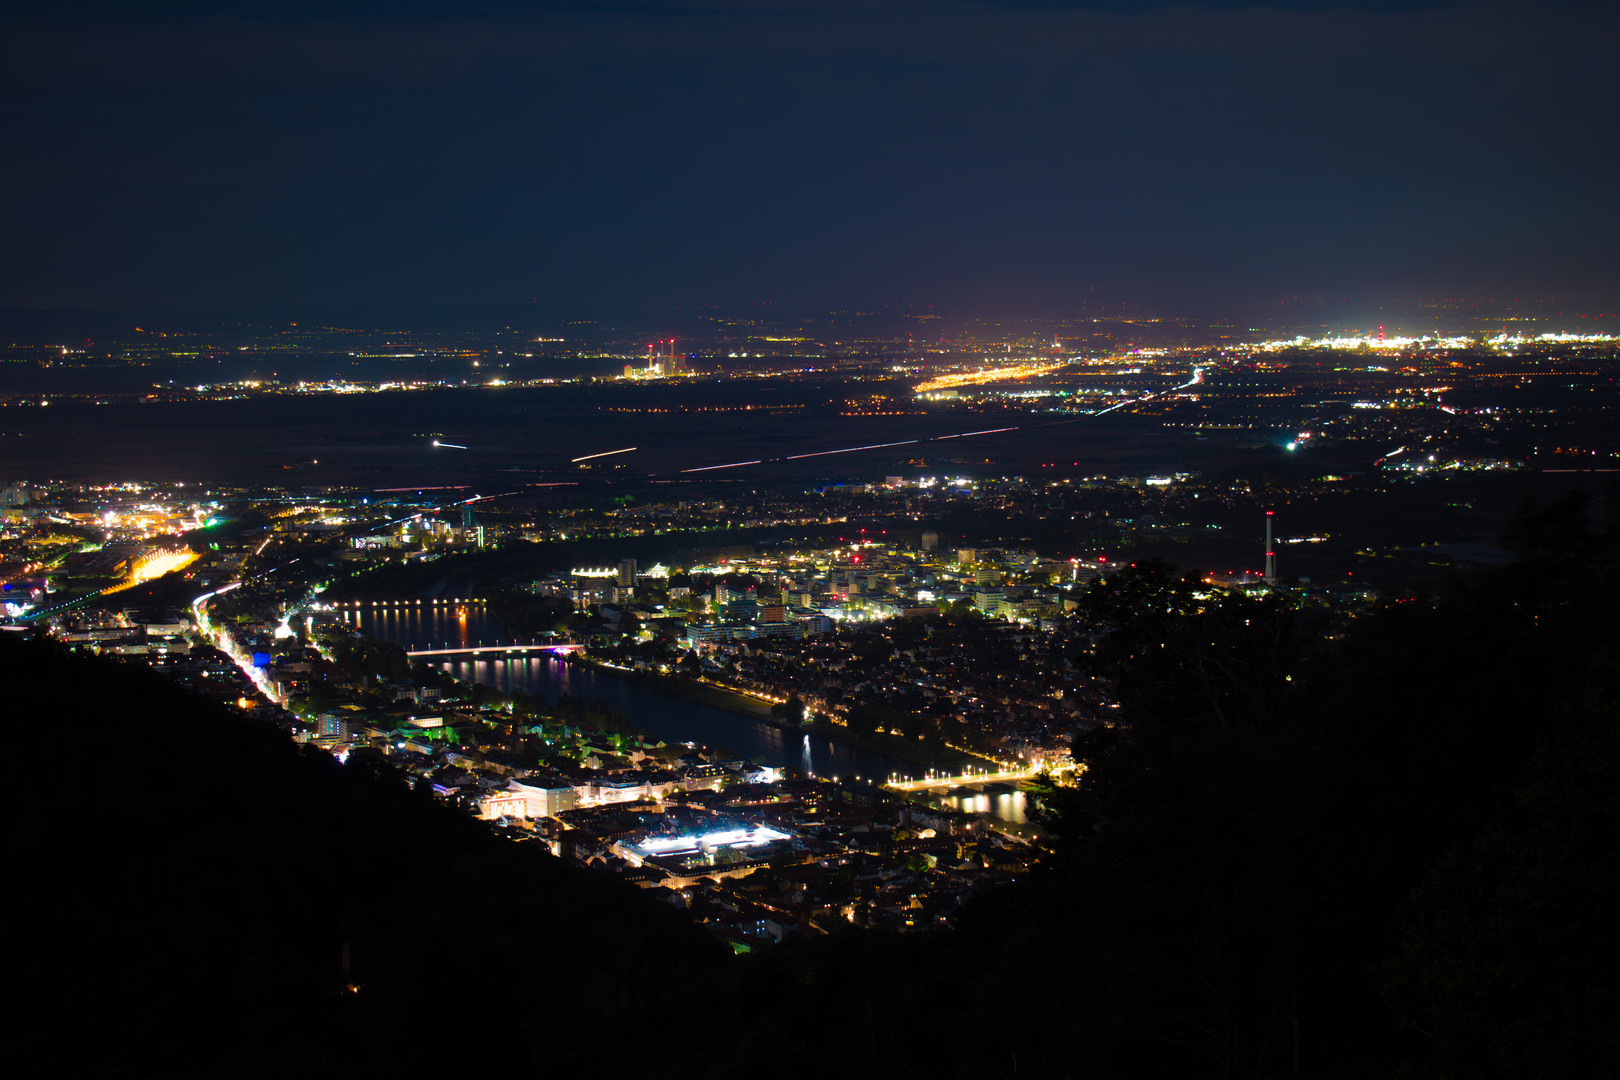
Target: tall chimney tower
x=1271, y=553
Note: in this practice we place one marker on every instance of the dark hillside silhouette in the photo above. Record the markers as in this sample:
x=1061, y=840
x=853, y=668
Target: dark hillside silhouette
x=192, y=885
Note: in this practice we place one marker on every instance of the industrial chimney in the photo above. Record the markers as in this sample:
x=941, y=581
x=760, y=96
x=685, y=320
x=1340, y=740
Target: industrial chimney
x=1271, y=554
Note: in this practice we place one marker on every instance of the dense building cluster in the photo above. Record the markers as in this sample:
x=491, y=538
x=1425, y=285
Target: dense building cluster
x=755, y=856
x=763, y=862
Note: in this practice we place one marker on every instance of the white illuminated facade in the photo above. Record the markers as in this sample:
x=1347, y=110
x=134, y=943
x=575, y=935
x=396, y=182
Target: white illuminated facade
x=706, y=844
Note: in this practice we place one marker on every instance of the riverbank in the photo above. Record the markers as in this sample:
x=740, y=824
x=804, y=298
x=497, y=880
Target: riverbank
x=759, y=709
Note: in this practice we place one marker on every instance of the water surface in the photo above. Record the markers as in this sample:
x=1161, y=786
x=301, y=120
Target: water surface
x=663, y=716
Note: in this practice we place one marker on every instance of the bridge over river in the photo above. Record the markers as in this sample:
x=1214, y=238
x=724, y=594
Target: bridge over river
x=938, y=782
x=467, y=642
x=554, y=649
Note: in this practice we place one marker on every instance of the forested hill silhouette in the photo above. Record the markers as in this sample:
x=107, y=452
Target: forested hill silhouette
x=1390, y=854
x=193, y=883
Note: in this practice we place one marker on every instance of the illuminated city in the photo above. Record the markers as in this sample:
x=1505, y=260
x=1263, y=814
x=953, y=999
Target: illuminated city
x=952, y=540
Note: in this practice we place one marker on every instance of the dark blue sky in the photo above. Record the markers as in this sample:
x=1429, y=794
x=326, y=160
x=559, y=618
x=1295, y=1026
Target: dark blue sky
x=649, y=153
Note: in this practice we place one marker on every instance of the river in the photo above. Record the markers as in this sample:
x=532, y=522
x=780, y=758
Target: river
x=1006, y=805
x=663, y=716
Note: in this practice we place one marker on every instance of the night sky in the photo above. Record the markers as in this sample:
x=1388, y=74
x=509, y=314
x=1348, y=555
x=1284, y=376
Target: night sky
x=218, y=155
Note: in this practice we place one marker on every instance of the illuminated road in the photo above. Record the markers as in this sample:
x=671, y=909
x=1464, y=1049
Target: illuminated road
x=1198, y=377
x=604, y=453
x=223, y=640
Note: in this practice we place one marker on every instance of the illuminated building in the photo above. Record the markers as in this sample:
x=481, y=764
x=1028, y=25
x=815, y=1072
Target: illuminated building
x=544, y=799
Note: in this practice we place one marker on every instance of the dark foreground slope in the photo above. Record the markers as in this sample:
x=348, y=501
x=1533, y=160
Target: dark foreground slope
x=188, y=882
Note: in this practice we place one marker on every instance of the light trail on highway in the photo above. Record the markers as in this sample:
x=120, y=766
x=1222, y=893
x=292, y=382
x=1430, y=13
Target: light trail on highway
x=1197, y=377
x=604, y=453
x=968, y=434
x=851, y=449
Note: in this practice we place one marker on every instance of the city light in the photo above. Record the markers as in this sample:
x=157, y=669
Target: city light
x=1001, y=373
x=757, y=836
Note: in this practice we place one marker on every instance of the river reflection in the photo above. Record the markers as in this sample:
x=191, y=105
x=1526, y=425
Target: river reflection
x=1006, y=805
x=672, y=719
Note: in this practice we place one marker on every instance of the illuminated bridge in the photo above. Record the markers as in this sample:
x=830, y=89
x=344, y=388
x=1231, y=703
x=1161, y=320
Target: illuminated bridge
x=501, y=650
x=460, y=601
x=1023, y=772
